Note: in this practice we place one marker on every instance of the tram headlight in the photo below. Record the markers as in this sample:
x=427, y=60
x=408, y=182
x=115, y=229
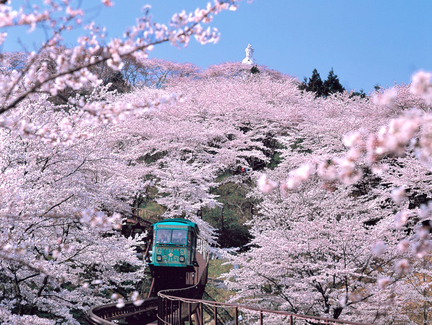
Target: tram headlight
x=159, y=258
x=182, y=258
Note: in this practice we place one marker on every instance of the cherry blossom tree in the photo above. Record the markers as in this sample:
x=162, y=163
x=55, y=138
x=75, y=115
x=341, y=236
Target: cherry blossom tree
x=385, y=169
x=57, y=242
x=154, y=72
x=325, y=240
x=72, y=65
x=218, y=126
x=67, y=176
x=318, y=251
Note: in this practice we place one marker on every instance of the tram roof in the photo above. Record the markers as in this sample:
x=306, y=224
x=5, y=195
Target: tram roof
x=177, y=221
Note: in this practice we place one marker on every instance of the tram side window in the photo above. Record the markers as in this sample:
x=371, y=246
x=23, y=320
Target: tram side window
x=163, y=236
x=179, y=237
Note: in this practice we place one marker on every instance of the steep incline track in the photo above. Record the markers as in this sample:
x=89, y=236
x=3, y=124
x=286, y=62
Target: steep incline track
x=147, y=312
x=105, y=314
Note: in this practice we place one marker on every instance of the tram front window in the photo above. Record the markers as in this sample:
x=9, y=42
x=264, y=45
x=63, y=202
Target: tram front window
x=163, y=236
x=179, y=237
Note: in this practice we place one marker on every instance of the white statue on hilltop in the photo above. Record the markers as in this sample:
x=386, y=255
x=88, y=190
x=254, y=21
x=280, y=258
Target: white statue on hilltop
x=249, y=53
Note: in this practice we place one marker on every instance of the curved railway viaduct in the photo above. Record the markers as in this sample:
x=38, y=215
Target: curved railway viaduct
x=180, y=306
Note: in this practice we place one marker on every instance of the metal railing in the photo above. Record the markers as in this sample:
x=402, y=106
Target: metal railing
x=178, y=310
x=174, y=312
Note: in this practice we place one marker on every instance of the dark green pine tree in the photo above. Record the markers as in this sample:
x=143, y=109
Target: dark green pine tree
x=315, y=84
x=322, y=89
x=332, y=85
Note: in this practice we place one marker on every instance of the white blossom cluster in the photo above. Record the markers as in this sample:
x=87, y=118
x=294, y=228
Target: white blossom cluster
x=72, y=66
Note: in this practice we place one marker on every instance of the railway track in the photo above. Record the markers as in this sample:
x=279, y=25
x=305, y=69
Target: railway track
x=146, y=313
x=106, y=314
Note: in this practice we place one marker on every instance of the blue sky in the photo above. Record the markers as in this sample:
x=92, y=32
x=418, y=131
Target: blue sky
x=365, y=42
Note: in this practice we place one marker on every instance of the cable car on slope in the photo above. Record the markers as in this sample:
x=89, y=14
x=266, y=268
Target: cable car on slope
x=174, y=244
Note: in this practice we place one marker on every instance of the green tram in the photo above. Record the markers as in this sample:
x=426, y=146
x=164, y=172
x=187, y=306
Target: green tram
x=174, y=244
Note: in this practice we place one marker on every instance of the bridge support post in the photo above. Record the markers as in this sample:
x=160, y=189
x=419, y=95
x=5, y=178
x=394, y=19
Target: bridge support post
x=215, y=315
x=160, y=310
x=190, y=313
x=171, y=312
